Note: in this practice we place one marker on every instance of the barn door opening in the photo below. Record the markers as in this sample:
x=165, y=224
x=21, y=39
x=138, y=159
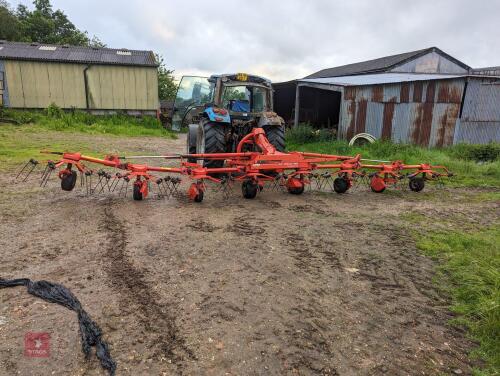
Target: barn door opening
x=319, y=108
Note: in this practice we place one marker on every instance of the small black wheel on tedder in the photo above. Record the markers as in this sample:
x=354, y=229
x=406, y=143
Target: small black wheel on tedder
x=296, y=191
x=68, y=181
x=416, y=184
x=340, y=185
x=137, y=194
x=199, y=196
x=249, y=189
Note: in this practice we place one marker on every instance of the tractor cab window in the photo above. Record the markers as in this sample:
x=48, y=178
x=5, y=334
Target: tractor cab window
x=192, y=92
x=244, y=98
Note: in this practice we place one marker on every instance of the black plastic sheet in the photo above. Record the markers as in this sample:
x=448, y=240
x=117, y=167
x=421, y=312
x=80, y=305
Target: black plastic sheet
x=90, y=332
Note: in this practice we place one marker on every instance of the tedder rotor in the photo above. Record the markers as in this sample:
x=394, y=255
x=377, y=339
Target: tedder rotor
x=254, y=163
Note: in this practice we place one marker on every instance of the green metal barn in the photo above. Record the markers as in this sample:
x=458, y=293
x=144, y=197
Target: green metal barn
x=100, y=80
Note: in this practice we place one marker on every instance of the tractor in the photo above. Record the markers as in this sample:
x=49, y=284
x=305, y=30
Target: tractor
x=220, y=110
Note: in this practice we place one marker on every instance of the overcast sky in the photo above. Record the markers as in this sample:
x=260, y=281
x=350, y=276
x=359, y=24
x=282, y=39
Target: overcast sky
x=288, y=39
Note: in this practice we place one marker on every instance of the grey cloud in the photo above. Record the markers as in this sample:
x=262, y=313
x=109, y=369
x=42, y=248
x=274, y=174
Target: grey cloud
x=290, y=38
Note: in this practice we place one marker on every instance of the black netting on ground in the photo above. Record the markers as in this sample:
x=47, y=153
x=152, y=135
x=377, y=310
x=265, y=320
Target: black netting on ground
x=90, y=332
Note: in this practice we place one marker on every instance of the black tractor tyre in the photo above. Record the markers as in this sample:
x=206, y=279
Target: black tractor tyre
x=191, y=141
x=68, y=181
x=215, y=142
x=137, y=194
x=340, y=185
x=276, y=136
x=249, y=189
x=416, y=184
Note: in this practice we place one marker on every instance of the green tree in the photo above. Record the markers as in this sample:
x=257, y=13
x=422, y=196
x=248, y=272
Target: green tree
x=9, y=24
x=167, y=88
x=43, y=24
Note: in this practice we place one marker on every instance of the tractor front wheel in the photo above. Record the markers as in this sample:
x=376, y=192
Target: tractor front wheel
x=191, y=139
x=211, y=139
x=249, y=189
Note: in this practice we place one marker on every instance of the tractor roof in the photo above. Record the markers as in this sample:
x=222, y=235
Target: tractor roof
x=242, y=77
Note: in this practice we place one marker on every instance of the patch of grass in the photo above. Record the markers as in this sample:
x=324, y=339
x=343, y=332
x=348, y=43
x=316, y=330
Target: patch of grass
x=413, y=217
x=486, y=196
x=470, y=273
x=55, y=119
x=473, y=165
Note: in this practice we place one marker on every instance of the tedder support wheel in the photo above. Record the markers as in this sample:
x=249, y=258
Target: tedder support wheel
x=214, y=141
x=276, y=136
x=199, y=197
x=68, y=181
x=137, y=194
x=296, y=191
x=340, y=185
x=377, y=184
x=416, y=184
x=249, y=189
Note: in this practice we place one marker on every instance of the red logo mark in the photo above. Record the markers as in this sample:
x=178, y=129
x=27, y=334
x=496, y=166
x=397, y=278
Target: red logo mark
x=37, y=345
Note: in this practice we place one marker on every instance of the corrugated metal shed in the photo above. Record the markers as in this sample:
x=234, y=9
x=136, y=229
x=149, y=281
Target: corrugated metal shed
x=480, y=121
x=424, y=97
x=422, y=112
x=75, y=54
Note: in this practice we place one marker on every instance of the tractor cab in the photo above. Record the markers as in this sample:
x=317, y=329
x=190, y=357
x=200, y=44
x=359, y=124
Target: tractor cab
x=222, y=109
x=244, y=96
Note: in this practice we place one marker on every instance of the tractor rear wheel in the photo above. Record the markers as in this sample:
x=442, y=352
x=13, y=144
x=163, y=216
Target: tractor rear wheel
x=249, y=189
x=68, y=181
x=416, y=184
x=211, y=139
x=340, y=185
x=276, y=136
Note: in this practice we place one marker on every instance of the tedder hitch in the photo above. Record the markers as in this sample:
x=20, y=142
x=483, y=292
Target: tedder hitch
x=255, y=163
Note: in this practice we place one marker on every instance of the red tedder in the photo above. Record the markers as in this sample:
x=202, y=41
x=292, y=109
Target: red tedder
x=254, y=163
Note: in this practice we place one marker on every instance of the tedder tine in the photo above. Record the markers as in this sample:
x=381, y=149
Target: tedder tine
x=124, y=186
x=88, y=182
x=27, y=169
x=51, y=166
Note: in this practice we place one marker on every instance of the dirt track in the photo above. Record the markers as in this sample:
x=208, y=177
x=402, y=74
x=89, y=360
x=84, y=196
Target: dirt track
x=315, y=284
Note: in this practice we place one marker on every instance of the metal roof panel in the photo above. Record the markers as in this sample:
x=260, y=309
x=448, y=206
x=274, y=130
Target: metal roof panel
x=379, y=78
x=75, y=54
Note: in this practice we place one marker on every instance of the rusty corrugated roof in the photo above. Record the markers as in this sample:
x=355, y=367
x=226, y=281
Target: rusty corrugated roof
x=379, y=65
x=75, y=54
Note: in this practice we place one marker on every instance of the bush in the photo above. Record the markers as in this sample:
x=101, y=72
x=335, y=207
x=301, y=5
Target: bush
x=479, y=153
x=54, y=111
x=304, y=133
